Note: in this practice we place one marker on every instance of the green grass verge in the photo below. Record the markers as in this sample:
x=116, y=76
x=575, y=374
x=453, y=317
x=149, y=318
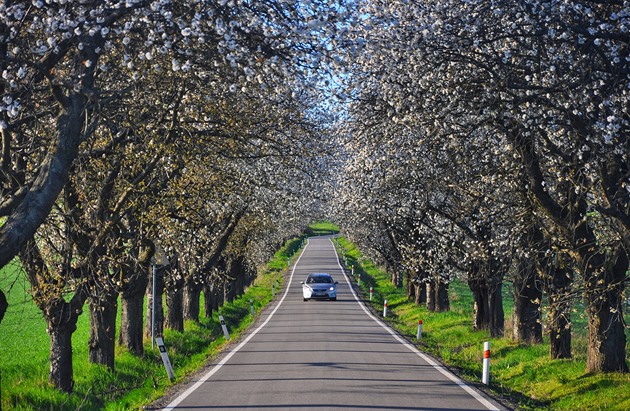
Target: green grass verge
x=136, y=381
x=322, y=228
x=524, y=374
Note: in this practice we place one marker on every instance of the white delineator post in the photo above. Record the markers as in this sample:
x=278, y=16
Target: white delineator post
x=371, y=292
x=485, y=377
x=359, y=280
x=385, y=309
x=251, y=306
x=224, y=327
x=419, y=335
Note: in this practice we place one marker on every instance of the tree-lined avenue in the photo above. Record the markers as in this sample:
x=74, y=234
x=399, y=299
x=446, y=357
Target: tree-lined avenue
x=325, y=355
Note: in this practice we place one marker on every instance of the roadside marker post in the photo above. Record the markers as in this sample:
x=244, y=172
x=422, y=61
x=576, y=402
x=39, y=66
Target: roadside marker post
x=273, y=290
x=224, y=327
x=385, y=309
x=167, y=363
x=251, y=306
x=419, y=335
x=485, y=377
x=359, y=281
x=371, y=292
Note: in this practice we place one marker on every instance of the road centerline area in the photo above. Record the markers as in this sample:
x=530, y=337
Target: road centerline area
x=326, y=355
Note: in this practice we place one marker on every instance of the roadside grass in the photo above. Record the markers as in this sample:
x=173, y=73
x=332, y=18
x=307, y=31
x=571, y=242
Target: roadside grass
x=321, y=228
x=524, y=374
x=24, y=349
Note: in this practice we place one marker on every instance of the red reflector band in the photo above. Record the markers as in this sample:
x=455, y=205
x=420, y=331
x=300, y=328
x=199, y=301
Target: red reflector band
x=486, y=354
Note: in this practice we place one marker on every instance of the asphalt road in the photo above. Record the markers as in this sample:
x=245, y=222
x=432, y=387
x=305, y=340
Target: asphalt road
x=325, y=355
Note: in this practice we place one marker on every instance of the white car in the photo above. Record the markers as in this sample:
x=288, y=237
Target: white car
x=319, y=286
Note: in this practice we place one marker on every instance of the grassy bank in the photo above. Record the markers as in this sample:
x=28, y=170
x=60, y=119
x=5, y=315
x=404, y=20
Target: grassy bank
x=525, y=374
x=136, y=381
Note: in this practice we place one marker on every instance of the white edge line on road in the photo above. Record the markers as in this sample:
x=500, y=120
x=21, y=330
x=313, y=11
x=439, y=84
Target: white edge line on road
x=225, y=359
x=413, y=348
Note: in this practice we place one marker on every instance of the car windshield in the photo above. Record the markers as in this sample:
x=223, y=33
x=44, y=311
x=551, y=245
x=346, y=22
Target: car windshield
x=318, y=279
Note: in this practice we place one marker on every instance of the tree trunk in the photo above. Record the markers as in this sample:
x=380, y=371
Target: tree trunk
x=430, y=293
x=527, y=301
x=61, y=373
x=488, y=309
x=442, y=302
x=158, y=327
x=557, y=276
x=4, y=304
x=606, y=351
x=192, y=294
x=228, y=294
x=131, y=326
x=559, y=323
x=497, y=315
x=175, y=309
x=410, y=288
x=103, y=331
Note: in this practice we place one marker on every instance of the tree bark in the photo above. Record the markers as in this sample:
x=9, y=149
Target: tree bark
x=485, y=284
x=131, y=325
x=175, y=309
x=132, y=298
x=102, y=342
x=192, y=295
x=430, y=293
x=442, y=302
x=4, y=304
x=606, y=351
x=527, y=324
x=61, y=372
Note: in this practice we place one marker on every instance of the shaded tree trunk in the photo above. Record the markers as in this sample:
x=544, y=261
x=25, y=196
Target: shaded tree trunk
x=606, y=351
x=132, y=298
x=557, y=277
x=527, y=304
x=410, y=289
x=192, y=295
x=430, y=294
x=488, y=301
x=102, y=340
x=442, y=302
x=175, y=309
x=213, y=298
x=4, y=304
x=131, y=325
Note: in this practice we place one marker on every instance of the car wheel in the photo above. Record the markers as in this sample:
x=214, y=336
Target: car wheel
x=333, y=298
x=306, y=299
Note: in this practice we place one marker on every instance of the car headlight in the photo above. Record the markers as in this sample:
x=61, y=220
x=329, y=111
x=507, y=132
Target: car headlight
x=332, y=288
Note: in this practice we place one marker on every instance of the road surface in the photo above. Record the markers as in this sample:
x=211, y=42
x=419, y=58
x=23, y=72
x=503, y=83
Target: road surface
x=325, y=355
